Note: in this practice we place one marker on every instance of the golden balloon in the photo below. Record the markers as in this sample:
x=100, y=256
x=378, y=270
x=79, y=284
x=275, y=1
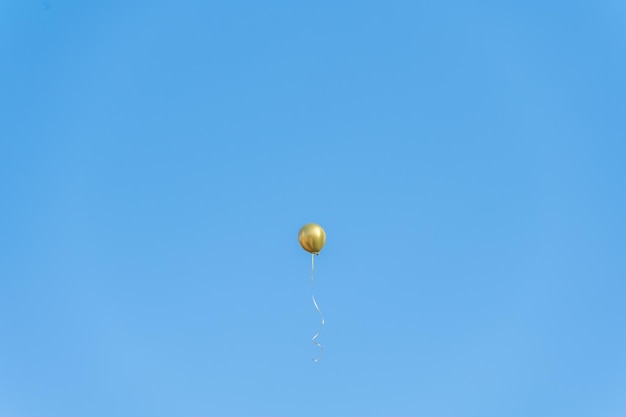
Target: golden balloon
x=312, y=238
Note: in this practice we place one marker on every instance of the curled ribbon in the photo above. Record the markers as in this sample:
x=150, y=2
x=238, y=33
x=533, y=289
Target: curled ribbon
x=314, y=338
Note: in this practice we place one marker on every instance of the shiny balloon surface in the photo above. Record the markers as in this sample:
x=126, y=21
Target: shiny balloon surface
x=312, y=238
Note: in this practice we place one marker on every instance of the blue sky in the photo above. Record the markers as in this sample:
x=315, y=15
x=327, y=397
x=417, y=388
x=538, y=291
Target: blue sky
x=467, y=160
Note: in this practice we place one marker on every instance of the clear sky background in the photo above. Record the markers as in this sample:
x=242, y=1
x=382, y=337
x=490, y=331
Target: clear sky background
x=467, y=160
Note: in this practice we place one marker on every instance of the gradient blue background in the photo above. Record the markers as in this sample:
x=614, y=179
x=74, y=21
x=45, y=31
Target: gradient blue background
x=467, y=160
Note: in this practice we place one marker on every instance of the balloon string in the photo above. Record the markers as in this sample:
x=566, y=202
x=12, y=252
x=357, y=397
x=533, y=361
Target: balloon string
x=314, y=339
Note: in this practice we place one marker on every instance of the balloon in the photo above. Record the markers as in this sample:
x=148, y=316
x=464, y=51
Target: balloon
x=312, y=238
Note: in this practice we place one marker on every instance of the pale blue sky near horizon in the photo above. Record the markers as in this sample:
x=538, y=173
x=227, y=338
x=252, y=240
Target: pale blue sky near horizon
x=467, y=160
